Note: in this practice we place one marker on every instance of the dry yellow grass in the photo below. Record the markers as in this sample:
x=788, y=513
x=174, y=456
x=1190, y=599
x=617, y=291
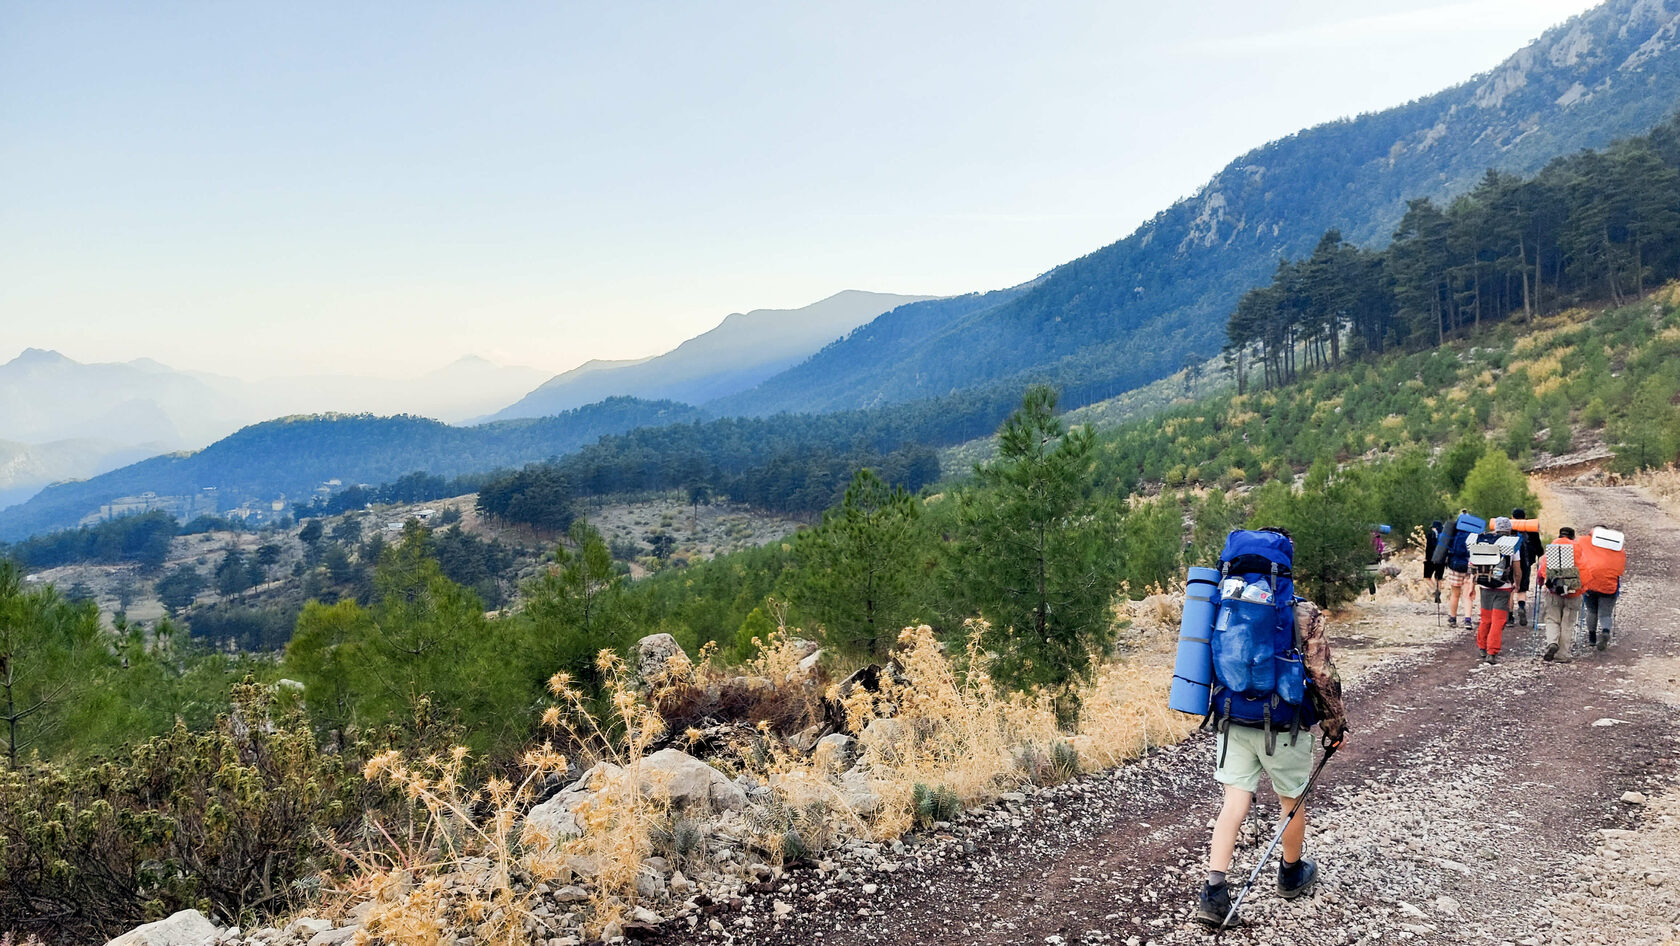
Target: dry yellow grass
x=1663, y=484
x=945, y=730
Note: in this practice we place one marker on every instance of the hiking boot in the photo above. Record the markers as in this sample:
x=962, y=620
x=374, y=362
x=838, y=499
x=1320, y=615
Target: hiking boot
x=1604, y=638
x=1452, y=620
x=1493, y=658
x=1522, y=614
x=1592, y=638
x=1551, y=652
x=1213, y=905
x=1294, y=879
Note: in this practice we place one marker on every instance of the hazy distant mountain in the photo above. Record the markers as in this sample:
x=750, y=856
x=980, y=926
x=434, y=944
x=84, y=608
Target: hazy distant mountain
x=47, y=397
x=741, y=351
x=1142, y=308
x=287, y=459
x=460, y=391
x=25, y=467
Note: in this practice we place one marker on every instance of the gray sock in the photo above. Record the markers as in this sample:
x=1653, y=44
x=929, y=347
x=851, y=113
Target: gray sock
x=1216, y=878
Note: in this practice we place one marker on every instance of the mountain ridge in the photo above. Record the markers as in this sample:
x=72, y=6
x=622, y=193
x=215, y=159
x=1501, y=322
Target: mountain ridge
x=741, y=350
x=1139, y=309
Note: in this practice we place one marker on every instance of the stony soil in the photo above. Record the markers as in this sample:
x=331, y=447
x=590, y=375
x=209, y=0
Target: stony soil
x=1472, y=804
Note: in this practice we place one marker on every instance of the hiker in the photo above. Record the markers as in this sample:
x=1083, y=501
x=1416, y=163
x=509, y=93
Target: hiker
x=1453, y=553
x=1529, y=551
x=1432, y=570
x=1601, y=561
x=1267, y=733
x=1493, y=558
x=1561, y=609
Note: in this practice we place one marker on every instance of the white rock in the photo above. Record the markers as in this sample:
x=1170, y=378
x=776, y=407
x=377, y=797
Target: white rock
x=836, y=750
x=1607, y=721
x=859, y=796
x=333, y=937
x=305, y=927
x=186, y=928
x=654, y=654
x=1634, y=798
x=782, y=907
x=558, y=816
x=689, y=783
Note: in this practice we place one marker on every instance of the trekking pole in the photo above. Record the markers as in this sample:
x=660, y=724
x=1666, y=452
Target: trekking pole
x=1267, y=855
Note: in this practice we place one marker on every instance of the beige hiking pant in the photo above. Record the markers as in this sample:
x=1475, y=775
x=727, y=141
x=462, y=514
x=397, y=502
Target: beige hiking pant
x=1560, y=614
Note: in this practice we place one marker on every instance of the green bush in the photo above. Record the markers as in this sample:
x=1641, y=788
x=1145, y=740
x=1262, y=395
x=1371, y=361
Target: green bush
x=239, y=822
x=1495, y=486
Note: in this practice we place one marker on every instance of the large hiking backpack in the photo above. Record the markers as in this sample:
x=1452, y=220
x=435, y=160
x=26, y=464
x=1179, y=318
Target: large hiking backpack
x=1259, y=678
x=1562, y=575
x=1464, y=531
x=1493, y=559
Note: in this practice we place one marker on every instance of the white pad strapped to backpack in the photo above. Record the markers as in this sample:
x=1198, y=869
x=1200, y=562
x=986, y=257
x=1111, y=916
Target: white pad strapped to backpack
x=1607, y=539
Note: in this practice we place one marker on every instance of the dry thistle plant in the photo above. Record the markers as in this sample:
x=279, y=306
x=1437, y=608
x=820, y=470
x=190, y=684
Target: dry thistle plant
x=484, y=862
x=480, y=850
x=943, y=729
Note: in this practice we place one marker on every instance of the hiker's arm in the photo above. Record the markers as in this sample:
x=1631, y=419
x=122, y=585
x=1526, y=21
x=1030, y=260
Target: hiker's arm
x=1324, y=684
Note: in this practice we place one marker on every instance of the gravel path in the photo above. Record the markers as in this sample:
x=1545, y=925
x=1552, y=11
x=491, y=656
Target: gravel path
x=1472, y=804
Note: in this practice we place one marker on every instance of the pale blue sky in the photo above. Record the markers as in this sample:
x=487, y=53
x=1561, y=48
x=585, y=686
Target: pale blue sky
x=382, y=187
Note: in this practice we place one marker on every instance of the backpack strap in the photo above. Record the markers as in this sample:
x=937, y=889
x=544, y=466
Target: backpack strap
x=1271, y=737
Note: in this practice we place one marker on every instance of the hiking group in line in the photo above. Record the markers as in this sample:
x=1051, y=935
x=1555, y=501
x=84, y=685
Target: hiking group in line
x=1254, y=661
x=1577, y=577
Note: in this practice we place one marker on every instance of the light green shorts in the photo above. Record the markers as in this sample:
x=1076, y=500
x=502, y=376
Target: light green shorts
x=1244, y=758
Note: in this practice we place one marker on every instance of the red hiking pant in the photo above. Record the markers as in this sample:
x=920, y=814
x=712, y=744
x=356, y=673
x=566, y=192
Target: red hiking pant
x=1491, y=632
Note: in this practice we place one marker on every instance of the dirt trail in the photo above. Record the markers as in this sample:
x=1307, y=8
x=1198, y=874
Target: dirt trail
x=1465, y=808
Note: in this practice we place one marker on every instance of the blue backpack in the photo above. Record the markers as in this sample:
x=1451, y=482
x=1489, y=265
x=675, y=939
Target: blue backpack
x=1465, y=528
x=1259, y=677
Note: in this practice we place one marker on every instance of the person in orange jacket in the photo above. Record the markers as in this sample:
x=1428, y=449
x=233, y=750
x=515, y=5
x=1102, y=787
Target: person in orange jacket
x=1601, y=583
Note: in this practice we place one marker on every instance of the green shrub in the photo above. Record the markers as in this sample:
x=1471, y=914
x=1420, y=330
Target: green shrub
x=239, y=822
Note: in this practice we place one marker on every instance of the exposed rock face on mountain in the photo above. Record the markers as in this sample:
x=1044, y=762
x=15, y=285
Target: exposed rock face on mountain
x=1139, y=309
x=741, y=351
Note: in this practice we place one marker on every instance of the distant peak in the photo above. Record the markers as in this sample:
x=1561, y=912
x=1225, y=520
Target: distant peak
x=40, y=356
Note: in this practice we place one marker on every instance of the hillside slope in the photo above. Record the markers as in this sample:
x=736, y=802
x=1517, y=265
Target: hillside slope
x=1139, y=309
x=287, y=459
x=744, y=349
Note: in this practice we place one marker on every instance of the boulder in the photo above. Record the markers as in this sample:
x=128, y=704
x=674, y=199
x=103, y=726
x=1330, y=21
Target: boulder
x=692, y=785
x=837, y=751
x=557, y=817
x=659, y=658
x=336, y=937
x=859, y=796
x=186, y=928
x=810, y=665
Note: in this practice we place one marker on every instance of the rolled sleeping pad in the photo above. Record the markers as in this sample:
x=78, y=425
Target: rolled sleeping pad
x=1474, y=525
x=1525, y=525
x=1192, y=684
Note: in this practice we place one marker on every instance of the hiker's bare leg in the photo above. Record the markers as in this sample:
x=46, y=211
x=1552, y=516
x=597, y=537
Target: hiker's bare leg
x=1294, y=836
x=1230, y=821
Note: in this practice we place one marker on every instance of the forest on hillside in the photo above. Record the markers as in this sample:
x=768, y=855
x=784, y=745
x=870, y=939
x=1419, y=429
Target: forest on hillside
x=1594, y=225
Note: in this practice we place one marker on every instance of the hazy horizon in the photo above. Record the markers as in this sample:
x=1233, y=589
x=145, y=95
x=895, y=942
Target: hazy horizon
x=314, y=190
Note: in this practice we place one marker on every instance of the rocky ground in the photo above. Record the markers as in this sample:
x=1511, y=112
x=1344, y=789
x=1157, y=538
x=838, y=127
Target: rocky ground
x=1522, y=803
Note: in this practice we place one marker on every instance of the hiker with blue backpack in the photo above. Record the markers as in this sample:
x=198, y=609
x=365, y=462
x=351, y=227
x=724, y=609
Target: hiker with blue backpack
x=1453, y=551
x=1254, y=662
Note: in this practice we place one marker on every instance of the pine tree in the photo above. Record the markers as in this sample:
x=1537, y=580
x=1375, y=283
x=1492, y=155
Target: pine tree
x=1037, y=551
x=854, y=572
